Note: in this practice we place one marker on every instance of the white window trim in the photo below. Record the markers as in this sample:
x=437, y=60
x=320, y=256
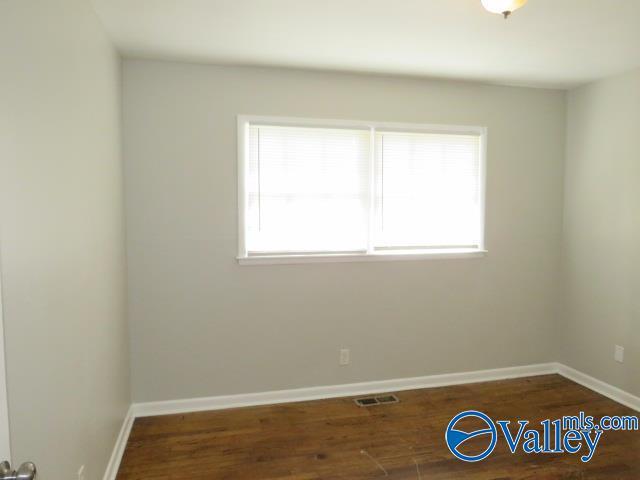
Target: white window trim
x=409, y=254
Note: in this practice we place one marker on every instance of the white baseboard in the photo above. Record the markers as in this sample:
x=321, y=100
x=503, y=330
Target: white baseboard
x=614, y=393
x=118, y=450
x=334, y=391
x=169, y=407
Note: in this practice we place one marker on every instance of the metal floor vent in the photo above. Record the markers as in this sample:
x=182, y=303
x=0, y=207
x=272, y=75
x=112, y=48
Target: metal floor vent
x=379, y=400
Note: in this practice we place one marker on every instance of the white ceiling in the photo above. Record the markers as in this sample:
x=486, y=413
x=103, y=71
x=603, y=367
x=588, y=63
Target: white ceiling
x=556, y=43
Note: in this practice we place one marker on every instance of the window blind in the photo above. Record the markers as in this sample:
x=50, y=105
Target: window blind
x=427, y=190
x=308, y=189
x=311, y=189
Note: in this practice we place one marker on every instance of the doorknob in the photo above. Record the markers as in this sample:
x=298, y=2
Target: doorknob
x=27, y=471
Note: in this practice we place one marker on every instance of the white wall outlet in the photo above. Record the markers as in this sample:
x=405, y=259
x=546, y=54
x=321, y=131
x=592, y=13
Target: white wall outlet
x=345, y=357
x=619, y=354
x=81, y=473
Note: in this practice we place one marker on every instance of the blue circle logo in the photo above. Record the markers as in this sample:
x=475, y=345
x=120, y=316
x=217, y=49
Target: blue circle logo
x=456, y=438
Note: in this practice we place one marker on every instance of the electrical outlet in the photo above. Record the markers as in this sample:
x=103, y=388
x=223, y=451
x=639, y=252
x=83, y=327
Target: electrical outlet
x=619, y=354
x=344, y=357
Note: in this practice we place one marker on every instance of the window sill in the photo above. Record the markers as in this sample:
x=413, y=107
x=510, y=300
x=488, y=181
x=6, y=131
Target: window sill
x=362, y=257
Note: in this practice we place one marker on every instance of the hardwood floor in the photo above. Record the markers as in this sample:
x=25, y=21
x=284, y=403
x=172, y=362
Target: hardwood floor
x=335, y=439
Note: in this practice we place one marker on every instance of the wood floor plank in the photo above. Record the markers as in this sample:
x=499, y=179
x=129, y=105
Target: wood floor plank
x=337, y=440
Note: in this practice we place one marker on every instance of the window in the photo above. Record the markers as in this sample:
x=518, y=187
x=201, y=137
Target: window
x=318, y=190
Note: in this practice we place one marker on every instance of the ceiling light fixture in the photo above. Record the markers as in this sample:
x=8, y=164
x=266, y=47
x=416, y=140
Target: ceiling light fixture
x=503, y=7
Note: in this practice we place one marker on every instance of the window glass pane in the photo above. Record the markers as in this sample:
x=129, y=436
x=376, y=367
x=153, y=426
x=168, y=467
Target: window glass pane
x=308, y=189
x=427, y=190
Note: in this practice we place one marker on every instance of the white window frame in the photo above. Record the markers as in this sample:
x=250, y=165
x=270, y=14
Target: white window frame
x=244, y=121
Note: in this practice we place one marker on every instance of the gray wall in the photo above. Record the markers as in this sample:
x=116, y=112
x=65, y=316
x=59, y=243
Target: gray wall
x=602, y=231
x=63, y=266
x=202, y=325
